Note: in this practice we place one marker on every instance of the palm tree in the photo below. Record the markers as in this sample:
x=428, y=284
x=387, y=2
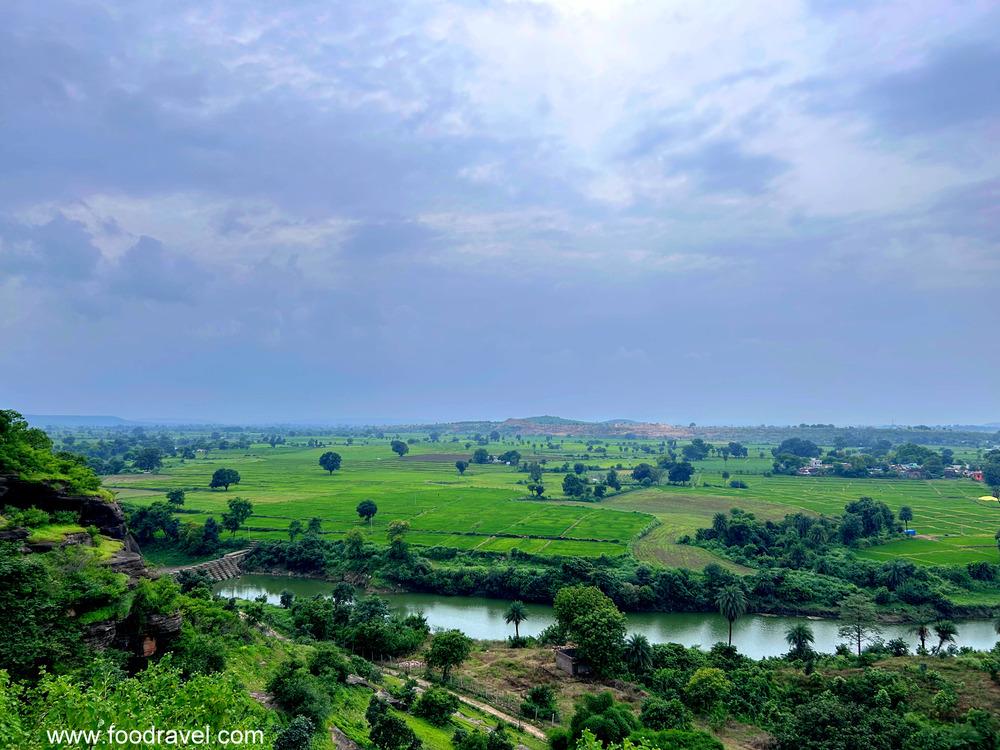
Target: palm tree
x=516, y=613
x=800, y=637
x=923, y=633
x=946, y=632
x=732, y=605
x=638, y=654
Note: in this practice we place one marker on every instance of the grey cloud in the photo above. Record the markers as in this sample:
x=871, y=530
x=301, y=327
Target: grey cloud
x=59, y=250
x=722, y=166
x=958, y=85
x=149, y=271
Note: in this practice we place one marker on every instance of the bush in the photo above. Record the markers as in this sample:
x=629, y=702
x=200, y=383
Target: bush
x=707, y=688
x=296, y=736
x=328, y=662
x=658, y=714
x=299, y=693
x=540, y=702
x=436, y=705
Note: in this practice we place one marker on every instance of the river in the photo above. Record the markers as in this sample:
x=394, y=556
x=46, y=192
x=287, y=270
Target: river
x=482, y=618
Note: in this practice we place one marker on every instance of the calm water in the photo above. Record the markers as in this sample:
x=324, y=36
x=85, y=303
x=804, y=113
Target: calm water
x=756, y=636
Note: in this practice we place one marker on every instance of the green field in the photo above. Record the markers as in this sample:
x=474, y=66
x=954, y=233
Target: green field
x=482, y=510
x=487, y=509
x=954, y=526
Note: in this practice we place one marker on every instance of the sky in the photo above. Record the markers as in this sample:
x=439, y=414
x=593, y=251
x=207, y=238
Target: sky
x=726, y=212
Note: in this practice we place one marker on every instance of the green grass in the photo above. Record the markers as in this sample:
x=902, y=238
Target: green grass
x=487, y=509
x=954, y=526
x=54, y=532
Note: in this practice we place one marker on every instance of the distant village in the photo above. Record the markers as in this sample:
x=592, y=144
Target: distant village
x=818, y=467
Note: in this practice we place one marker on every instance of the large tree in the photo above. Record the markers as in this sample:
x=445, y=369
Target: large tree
x=461, y=466
x=399, y=448
x=224, y=477
x=800, y=637
x=330, y=461
x=594, y=623
x=367, y=510
x=240, y=509
x=449, y=648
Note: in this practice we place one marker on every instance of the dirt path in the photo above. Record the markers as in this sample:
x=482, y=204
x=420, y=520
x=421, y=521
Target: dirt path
x=479, y=705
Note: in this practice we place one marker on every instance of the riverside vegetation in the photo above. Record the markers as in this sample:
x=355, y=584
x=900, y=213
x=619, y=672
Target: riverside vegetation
x=299, y=669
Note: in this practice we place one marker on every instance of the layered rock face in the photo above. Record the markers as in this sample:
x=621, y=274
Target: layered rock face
x=94, y=511
x=142, y=640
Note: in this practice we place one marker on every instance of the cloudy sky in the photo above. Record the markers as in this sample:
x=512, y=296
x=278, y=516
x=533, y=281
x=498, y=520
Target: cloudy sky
x=678, y=211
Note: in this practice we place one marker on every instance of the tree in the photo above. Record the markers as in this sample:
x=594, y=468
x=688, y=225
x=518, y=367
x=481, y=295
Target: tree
x=946, y=631
x=396, y=534
x=680, y=473
x=240, y=509
x=923, y=632
x=906, y=515
x=537, y=488
x=149, y=458
x=600, y=640
x=516, y=613
x=449, y=648
x=294, y=529
x=638, y=654
x=224, y=477
x=857, y=613
x=176, y=497
x=574, y=486
x=367, y=510
x=732, y=604
x=399, y=448
x=991, y=473
x=593, y=621
x=461, y=466
x=480, y=456
x=613, y=481
x=314, y=527
x=330, y=461
x=800, y=637
x=797, y=447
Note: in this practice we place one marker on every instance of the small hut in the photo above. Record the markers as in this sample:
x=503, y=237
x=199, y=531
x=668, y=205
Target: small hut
x=568, y=661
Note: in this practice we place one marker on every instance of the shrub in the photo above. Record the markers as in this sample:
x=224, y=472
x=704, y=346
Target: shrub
x=436, y=705
x=659, y=714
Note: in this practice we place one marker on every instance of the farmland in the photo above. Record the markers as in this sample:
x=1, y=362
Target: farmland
x=487, y=509
x=481, y=510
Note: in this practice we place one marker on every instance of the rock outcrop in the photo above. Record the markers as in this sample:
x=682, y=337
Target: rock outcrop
x=106, y=515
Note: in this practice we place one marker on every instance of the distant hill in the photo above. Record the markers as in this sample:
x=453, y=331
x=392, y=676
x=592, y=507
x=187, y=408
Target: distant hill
x=75, y=420
x=559, y=427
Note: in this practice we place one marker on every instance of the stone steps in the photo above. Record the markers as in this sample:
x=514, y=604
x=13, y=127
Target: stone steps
x=224, y=568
